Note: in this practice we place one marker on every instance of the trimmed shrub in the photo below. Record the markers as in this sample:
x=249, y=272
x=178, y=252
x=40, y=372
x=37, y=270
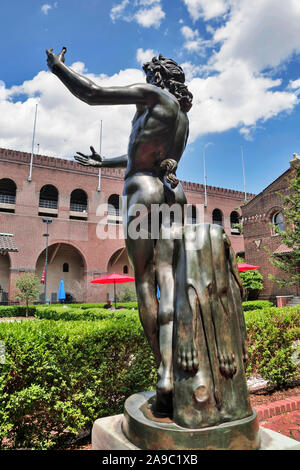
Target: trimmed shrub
x=78, y=314
x=60, y=376
x=271, y=333
x=35, y=310
x=256, y=305
x=127, y=305
x=16, y=310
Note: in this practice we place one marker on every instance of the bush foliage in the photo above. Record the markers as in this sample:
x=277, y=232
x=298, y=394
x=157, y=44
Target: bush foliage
x=256, y=305
x=37, y=310
x=271, y=332
x=59, y=376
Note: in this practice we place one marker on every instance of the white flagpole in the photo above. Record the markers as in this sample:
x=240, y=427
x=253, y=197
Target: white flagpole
x=100, y=151
x=32, y=148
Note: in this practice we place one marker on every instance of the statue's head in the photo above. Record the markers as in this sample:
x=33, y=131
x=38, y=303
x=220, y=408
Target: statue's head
x=166, y=73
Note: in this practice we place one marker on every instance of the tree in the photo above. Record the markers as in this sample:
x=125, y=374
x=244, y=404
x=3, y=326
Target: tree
x=252, y=281
x=127, y=294
x=289, y=263
x=28, y=286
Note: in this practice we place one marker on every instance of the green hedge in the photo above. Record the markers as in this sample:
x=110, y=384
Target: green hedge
x=256, y=305
x=16, y=310
x=127, y=305
x=271, y=333
x=34, y=310
x=60, y=376
x=71, y=314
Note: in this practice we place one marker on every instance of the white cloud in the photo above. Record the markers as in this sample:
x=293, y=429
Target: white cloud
x=207, y=8
x=118, y=10
x=263, y=33
x=189, y=33
x=294, y=84
x=146, y=13
x=143, y=56
x=193, y=42
x=150, y=17
x=231, y=89
x=65, y=125
x=45, y=8
x=239, y=87
x=235, y=98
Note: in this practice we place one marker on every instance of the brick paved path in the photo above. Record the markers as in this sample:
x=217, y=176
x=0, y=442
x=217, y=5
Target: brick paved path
x=281, y=416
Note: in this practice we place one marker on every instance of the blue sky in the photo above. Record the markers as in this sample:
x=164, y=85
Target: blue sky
x=241, y=60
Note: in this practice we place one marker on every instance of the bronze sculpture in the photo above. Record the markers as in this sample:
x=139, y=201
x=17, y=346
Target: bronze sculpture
x=196, y=330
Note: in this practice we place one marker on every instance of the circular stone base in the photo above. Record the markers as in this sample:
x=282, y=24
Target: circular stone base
x=148, y=432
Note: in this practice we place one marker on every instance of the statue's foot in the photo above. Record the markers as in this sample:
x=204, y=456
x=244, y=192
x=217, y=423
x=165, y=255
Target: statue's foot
x=227, y=363
x=188, y=357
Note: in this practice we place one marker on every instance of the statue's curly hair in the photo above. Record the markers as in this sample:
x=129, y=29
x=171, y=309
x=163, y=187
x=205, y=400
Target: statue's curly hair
x=168, y=74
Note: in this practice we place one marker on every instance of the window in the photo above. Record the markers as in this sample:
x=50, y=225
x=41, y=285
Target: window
x=78, y=201
x=8, y=192
x=65, y=267
x=114, y=208
x=48, y=198
x=191, y=214
x=125, y=269
x=234, y=222
x=217, y=217
x=278, y=223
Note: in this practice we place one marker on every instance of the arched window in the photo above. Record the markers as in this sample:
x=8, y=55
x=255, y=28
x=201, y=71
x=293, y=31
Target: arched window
x=278, y=222
x=234, y=222
x=217, y=217
x=125, y=269
x=65, y=267
x=48, y=197
x=114, y=204
x=191, y=214
x=8, y=190
x=78, y=201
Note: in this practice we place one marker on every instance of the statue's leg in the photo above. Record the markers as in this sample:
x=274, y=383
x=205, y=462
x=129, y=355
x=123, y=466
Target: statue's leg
x=141, y=255
x=220, y=310
x=165, y=279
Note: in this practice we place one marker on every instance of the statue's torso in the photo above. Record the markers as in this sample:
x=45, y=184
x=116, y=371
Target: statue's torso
x=158, y=132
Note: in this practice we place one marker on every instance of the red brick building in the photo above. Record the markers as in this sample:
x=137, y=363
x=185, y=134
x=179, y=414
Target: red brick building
x=260, y=216
x=68, y=193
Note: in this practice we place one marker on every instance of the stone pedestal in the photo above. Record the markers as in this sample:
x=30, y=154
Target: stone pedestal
x=107, y=434
x=147, y=431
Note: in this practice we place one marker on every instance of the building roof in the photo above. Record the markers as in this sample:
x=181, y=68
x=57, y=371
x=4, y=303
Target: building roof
x=282, y=249
x=7, y=243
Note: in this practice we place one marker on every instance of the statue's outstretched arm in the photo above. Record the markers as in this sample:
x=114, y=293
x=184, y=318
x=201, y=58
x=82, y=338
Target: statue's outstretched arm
x=87, y=91
x=97, y=161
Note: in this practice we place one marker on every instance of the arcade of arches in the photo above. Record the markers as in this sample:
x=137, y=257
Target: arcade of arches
x=59, y=256
x=4, y=276
x=118, y=263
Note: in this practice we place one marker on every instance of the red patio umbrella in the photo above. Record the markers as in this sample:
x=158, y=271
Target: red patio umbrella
x=246, y=267
x=113, y=279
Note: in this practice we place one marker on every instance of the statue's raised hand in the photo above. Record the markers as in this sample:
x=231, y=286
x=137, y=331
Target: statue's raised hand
x=54, y=59
x=89, y=160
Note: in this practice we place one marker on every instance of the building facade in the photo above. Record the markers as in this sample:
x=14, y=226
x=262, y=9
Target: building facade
x=260, y=217
x=83, y=242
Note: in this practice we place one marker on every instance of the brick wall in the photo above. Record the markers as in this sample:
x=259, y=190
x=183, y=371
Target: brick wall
x=259, y=234
x=66, y=175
